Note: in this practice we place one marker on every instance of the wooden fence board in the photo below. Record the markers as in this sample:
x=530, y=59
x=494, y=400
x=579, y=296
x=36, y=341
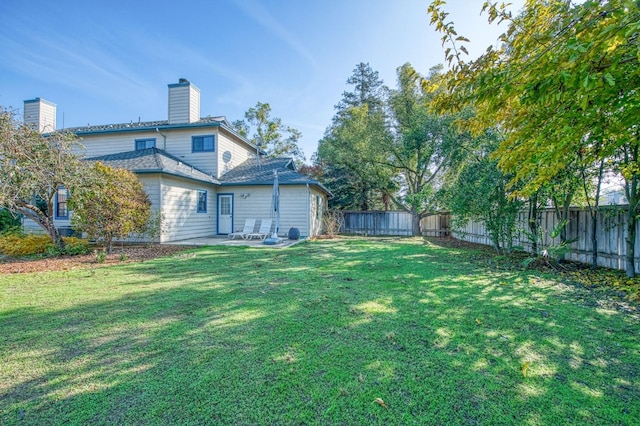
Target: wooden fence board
x=610, y=234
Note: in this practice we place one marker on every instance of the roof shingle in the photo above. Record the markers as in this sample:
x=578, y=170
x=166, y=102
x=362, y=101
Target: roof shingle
x=154, y=160
x=254, y=172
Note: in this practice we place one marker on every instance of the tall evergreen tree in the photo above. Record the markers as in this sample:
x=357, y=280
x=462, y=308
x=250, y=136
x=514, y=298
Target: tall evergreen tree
x=348, y=152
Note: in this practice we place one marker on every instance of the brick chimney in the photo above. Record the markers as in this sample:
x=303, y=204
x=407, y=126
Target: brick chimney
x=184, y=102
x=40, y=114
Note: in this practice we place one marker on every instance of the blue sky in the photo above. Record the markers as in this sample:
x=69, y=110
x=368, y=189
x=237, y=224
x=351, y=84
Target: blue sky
x=106, y=62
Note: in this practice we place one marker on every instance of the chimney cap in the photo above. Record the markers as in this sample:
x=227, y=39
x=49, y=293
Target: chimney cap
x=38, y=100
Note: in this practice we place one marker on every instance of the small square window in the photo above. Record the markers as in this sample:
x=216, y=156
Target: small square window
x=145, y=143
x=203, y=143
x=202, y=201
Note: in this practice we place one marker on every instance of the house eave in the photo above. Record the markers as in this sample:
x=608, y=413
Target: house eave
x=165, y=172
x=144, y=128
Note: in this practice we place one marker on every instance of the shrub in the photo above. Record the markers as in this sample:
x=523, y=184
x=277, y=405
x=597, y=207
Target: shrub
x=101, y=256
x=13, y=244
x=16, y=244
x=8, y=222
x=75, y=246
x=332, y=222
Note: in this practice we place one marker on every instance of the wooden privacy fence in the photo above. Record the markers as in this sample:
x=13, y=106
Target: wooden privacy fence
x=611, y=233
x=376, y=223
x=392, y=223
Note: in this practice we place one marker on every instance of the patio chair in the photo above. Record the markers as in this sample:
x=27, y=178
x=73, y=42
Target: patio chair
x=249, y=224
x=263, y=232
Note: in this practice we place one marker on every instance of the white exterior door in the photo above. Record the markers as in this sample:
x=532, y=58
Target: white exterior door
x=225, y=213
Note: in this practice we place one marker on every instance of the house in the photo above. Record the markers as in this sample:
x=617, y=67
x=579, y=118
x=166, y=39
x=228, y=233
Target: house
x=201, y=175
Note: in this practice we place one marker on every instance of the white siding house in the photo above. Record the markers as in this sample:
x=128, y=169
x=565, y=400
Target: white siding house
x=201, y=176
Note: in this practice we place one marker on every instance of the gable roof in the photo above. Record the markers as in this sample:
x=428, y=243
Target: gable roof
x=254, y=172
x=157, y=126
x=146, y=125
x=154, y=160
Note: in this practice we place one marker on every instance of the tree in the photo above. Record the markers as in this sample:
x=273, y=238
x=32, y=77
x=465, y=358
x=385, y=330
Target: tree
x=565, y=78
x=111, y=205
x=423, y=146
x=348, y=153
x=368, y=89
x=273, y=137
x=352, y=159
x=475, y=189
x=34, y=169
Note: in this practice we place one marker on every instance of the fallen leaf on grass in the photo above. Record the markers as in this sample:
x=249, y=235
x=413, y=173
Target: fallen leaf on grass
x=478, y=321
x=380, y=402
x=525, y=368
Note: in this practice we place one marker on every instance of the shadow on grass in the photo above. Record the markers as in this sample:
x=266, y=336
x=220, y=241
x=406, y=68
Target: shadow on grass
x=315, y=334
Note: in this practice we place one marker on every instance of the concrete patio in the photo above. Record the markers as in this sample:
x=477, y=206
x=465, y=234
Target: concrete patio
x=222, y=240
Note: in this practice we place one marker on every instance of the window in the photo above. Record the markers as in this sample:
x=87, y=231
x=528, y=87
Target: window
x=202, y=201
x=145, y=143
x=318, y=207
x=202, y=143
x=62, y=212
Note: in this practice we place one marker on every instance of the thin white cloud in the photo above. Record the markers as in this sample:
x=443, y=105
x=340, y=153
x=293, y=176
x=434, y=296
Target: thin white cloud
x=81, y=64
x=259, y=13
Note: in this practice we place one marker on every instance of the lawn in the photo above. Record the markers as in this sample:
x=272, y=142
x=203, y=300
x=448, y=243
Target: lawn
x=355, y=331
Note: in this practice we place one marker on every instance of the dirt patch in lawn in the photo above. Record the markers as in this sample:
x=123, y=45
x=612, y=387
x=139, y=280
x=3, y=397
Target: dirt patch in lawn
x=123, y=254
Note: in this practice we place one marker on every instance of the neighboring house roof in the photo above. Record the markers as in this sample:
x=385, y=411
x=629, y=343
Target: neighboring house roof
x=154, y=160
x=260, y=172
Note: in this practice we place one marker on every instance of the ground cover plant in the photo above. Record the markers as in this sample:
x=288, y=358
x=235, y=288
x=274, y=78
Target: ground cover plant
x=350, y=331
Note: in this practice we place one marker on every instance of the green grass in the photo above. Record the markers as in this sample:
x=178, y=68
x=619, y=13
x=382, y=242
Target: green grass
x=313, y=335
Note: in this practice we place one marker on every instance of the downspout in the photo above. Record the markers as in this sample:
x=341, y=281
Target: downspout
x=164, y=143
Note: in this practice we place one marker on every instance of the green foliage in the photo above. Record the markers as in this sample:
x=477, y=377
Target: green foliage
x=425, y=143
x=16, y=244
x=269, y=133
x=546, y=246
x=75, y=246
x=475, y=189
x=33, y=167
x=8, y=221
x=562, y=86
x=100, y=255
x=349, y=153
x=111, y=205
x=315, y=334
x=351, y=158
x=388, y=146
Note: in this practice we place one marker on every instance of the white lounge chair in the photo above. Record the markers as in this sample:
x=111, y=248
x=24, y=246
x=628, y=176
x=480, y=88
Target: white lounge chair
x=263, y=232
x=249, y=224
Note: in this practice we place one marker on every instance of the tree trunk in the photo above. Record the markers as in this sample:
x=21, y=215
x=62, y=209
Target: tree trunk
x=631, y=189
x=415, y=222
x=562, y=213
x=594, y=217
x=45, y=222
x=533, y=222
x=630, y=267
x=365, y=203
